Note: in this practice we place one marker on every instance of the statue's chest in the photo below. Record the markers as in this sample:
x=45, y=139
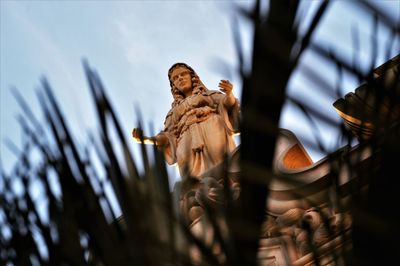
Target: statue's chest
x=193, y=110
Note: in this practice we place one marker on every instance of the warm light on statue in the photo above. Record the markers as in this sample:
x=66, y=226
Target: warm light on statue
x=200, y=126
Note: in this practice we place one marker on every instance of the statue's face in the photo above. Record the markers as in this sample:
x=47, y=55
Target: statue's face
x=182, y=80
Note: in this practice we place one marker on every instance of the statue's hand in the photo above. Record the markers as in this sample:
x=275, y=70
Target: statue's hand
x=225, y=86
x=159, y=140
x=137, y=134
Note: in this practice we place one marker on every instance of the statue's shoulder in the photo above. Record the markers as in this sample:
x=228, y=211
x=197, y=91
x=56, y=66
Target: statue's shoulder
x=215, y=95
x=211, y=92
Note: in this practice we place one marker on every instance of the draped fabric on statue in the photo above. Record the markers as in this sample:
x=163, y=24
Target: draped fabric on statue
x=200, y=131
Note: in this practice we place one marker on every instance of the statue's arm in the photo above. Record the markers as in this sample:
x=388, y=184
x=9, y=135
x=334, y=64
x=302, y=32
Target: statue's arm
x=227, y=87
x=160, y=139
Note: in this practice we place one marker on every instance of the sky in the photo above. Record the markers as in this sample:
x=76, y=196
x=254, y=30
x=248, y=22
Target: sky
x=132, y=44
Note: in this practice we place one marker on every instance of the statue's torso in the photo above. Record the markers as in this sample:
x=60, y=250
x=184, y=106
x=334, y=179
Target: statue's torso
x=193, y=109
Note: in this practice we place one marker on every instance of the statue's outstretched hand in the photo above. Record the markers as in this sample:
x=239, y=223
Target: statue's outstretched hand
x=159, y=140
x=137, y=134
x=225, y=86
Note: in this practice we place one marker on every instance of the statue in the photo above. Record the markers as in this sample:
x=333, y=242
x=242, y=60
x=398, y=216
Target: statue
x=198, y=129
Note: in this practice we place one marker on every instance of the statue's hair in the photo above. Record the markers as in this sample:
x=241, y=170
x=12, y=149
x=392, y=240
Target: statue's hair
x=197, y=85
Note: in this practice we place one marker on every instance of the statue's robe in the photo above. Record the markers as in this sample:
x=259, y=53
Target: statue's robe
x=200, y=132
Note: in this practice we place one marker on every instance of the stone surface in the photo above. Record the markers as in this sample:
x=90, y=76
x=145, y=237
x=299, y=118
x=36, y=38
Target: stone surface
x=198, y=130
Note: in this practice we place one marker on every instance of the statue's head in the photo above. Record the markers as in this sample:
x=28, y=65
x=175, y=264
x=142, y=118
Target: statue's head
x=193, y=83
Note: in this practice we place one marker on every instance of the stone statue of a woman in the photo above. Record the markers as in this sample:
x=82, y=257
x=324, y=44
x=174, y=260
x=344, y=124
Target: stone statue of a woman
x=198, y=130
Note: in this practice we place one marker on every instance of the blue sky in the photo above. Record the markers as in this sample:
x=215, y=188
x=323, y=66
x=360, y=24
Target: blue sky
x=133, y=43
x=130, y=43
